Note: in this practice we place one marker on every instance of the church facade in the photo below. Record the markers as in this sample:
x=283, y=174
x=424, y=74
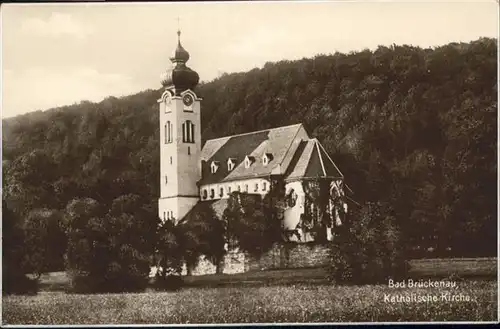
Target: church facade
x=246, y=163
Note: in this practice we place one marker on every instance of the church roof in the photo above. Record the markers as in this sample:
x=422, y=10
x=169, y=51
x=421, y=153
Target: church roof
x=288, y=152
x=311, y=161
x=276, y=141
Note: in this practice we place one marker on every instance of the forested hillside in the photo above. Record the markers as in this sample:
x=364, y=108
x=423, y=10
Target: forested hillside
x=413, y=127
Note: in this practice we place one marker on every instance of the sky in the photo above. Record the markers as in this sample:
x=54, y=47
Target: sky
x=61, y=54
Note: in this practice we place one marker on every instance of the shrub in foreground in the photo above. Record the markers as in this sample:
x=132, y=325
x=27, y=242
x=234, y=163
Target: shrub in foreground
x=367, y=248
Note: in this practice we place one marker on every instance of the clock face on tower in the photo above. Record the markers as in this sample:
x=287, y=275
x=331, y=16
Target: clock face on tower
x=188, y=100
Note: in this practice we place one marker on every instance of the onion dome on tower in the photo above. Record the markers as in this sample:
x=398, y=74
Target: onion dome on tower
x=180, y=77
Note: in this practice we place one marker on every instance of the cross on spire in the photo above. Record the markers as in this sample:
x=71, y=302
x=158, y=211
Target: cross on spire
x=178, y=29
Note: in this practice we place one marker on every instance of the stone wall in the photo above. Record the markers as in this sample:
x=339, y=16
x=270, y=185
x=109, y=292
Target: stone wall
x=291, y=255
x=234, y=262
x=281, y=256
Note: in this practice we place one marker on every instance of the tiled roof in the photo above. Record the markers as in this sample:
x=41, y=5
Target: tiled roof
x=292, y=157
x=311, y=160
x=276, y=141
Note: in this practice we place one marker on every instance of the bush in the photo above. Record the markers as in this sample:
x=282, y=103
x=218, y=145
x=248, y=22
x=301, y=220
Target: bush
x=368, y=249
x=18, y=284
x=168, y=283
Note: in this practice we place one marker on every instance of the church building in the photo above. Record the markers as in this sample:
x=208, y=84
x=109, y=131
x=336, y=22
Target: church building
x=245, y=163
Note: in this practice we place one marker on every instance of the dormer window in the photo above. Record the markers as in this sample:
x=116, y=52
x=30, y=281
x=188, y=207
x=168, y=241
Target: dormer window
x=214, y=166
x=248, y=161
x=231, y=162
x=266, y=158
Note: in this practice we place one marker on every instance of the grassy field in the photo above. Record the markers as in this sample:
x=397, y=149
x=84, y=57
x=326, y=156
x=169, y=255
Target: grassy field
x=291, y=295
x=300, y=303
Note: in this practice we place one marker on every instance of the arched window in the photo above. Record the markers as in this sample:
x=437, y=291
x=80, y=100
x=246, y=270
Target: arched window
x=205, y=194
x=188, y=132
x=212, y=193
x=168, y=132
x=221, y=192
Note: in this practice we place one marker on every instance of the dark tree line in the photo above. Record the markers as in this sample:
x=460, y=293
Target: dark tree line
x=410, y=127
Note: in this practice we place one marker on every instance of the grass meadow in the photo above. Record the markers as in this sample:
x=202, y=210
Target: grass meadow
x=284, y=296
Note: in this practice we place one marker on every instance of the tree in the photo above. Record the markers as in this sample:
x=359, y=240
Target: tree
x=14, y=279
x=250, y=225
x=45, y=241
x=367, y=248
x=203, y=233
x=113, y=251
x=169, y=254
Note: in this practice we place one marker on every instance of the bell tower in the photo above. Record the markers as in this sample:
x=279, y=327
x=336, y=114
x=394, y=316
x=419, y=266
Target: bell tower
x=180, y=138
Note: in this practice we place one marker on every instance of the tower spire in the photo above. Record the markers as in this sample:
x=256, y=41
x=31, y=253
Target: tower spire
x=180, y=76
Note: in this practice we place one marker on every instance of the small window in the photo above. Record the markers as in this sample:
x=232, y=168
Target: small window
x=229, y=190
x=212, y=193
x=256, y=187
x=266, y=158
x=170, y=160
x=239, y=188
x=166, y=180
x=230, y=164
x=248, y=161
x=168, y=214
x=189, y=150
x=205, y=194
x=164, y=216
x=221, y=192
x=171, y=214
x=214, y=166
x=246, y=188
x=264, y=186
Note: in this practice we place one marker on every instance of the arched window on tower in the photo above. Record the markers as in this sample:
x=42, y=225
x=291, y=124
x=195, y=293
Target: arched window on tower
x=188, y=132
x=168, y=132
